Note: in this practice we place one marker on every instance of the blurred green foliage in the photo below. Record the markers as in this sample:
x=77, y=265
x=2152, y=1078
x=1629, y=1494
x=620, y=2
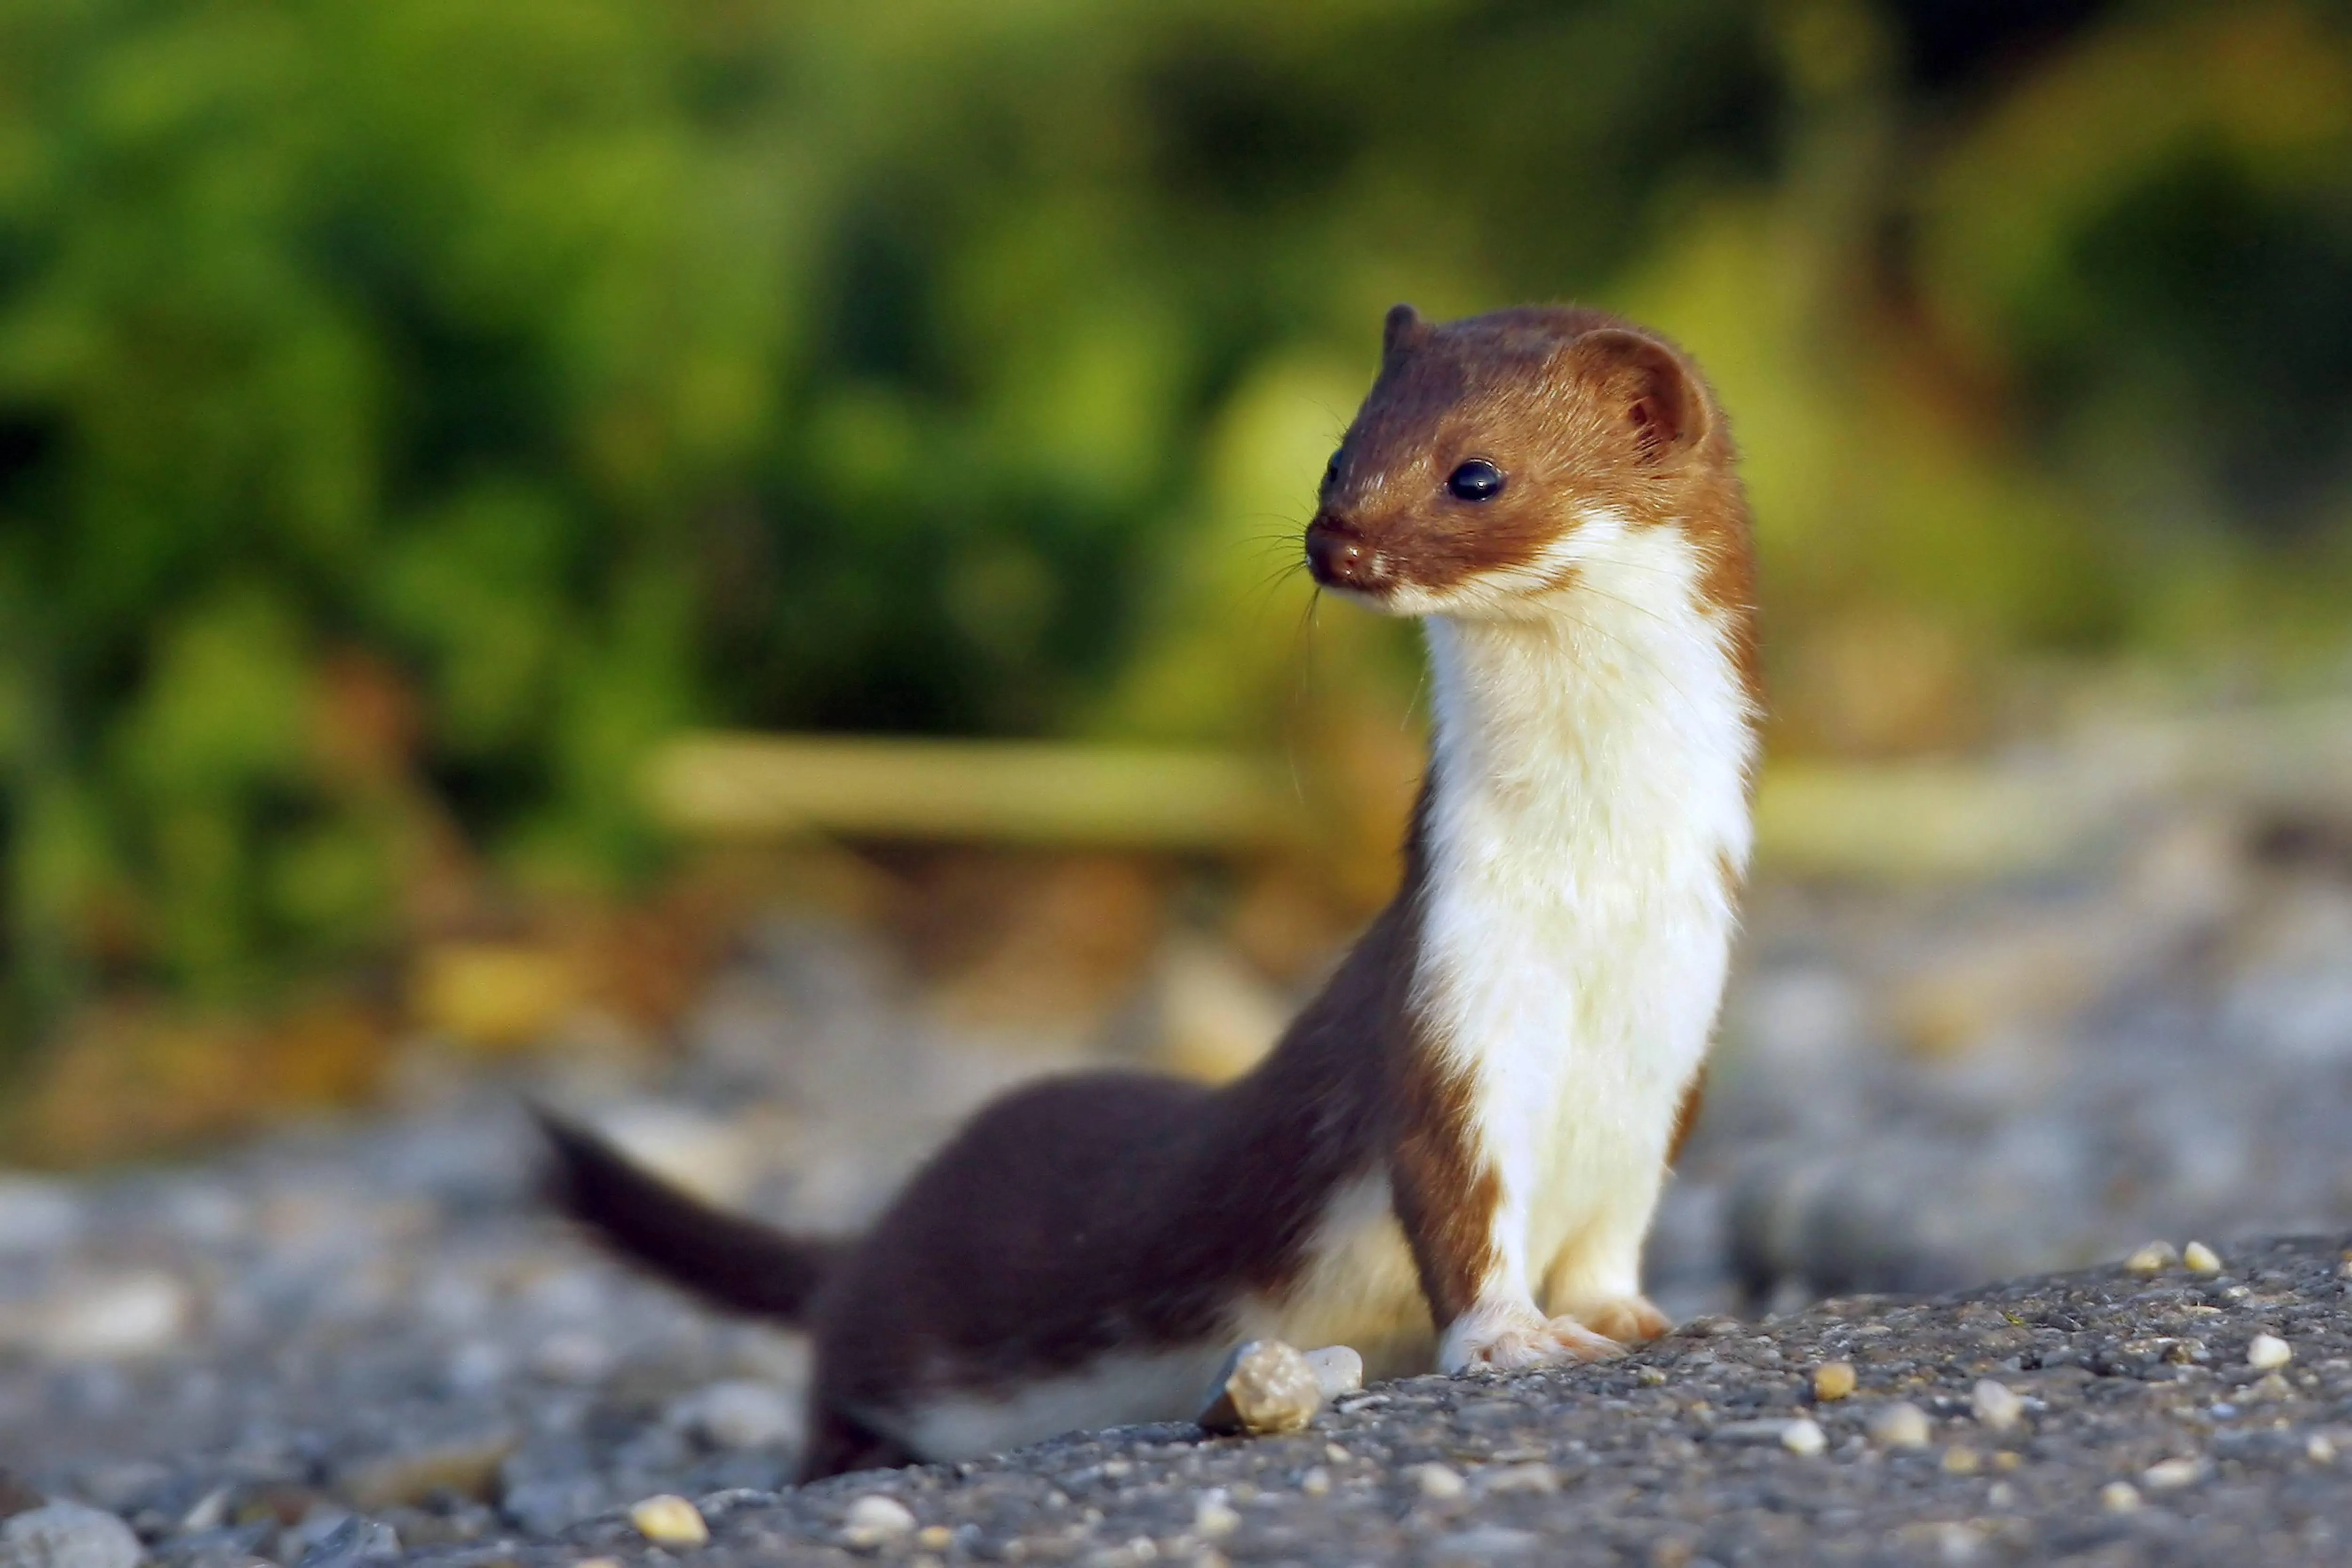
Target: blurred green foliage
x=409, y=412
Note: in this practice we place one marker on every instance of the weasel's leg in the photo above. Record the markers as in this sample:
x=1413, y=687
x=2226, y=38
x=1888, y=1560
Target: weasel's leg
x=1461, y=1197
x=1596, y=1279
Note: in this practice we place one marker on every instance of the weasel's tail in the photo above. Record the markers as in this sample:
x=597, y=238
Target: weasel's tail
x=733, y=1261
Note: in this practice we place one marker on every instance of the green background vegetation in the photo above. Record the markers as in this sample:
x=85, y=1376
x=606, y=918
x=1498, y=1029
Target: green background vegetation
x=412, y=411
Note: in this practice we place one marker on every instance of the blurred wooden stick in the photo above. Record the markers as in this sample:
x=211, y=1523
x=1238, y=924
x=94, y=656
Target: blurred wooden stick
x=762, y=787
x=1873, y=820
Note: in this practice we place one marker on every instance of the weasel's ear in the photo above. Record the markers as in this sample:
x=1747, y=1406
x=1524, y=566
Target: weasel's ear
x=1403, y=330
x=1662, y=400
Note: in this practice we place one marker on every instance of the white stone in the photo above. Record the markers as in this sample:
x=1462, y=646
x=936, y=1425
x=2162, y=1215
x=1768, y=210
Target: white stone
x=1957, y=1542
x=2171, y=1474
x=115, y=1319
x=573, y=1356
x=740, y=1414
x=1901, y=1425
x=1996, y=1405
x=2319, y=1448
x=1534, y=1477
x=2119, y=1496
x=875, y=1520
x=1337, y=1370
x=1438, y=1482
x=1804, y=1437
x=1487, y=1543
x=2267, y=1353
x=68, y=1535
x=2153, y=1259
x=1214, y=1517
x=2199, y=1259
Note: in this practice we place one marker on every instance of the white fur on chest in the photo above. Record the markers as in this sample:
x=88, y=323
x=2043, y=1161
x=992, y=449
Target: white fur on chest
x=1591, y=758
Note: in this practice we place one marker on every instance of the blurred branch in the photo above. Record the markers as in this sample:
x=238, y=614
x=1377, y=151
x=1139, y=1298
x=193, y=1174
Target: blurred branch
x=1875, y=821
x=754, y=786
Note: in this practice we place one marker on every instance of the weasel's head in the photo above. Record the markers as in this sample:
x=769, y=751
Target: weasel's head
x=1497, y=458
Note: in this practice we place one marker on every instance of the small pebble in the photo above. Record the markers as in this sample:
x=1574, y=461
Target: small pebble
x=2119, y=1496
x=1901, y=1425
x=574, y=1356
x=2171, y=1474
x=1486, y=1543
x=1535, y=1477
x=118, y=1318
x=2153, y=1259
x=466, y=1466
x=2199, y=1259
x=740, y=1413
x=669, y=1519
x=68, y=1535
x=1337, y=1370
x=875, y=1520
x=1438, y=1482
x=2267, y=1353
x=1315, y=1482
x=2319, y=1448
x=935, y=1538
x=209, y=1511
x=1833, y=1379
x=1960, y=1459
x=1996, y=1407
x=1214, y=1517
x=1711, y=1326
x=1265, y=1386
x=1800, y=1436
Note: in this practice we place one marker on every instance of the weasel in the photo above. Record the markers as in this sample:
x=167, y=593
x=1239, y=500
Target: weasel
x=1452, y=1155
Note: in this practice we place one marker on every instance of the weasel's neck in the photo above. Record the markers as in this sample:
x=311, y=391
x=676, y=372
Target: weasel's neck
x=1606, y=739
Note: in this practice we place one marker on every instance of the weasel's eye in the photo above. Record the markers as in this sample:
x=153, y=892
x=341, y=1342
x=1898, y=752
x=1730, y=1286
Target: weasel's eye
x=1476, y=479
x=1332, y=471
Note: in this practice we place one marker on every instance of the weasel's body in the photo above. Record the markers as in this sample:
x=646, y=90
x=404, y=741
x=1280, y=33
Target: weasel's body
x=1452, y=1156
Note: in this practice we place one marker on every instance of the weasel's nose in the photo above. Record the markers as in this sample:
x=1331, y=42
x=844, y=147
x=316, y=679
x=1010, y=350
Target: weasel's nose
x=1337, y=556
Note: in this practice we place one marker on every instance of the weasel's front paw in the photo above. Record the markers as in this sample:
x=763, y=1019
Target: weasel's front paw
x=1627, y=1319
x=1515, y=1339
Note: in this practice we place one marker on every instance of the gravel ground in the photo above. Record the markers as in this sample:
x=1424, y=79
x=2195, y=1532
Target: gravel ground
x=350, y=1344
x=2133, y=1429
